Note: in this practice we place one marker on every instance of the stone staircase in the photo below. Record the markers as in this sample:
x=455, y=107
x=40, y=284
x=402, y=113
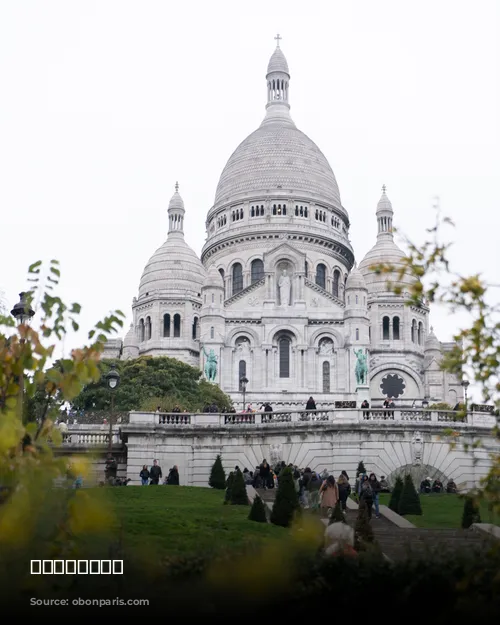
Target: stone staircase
x=397, y=543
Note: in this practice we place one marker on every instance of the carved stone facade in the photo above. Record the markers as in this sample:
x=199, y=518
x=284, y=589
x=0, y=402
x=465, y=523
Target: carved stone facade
x=276, y=294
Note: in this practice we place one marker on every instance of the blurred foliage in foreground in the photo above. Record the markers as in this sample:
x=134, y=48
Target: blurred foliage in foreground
x=36, y=517
x=477, y=345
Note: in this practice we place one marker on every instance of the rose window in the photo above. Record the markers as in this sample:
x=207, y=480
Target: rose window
x=392, y=385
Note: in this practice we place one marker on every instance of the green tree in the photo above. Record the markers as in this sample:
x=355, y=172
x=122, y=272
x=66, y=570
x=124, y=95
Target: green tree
x=217, y=477
x=239, y=495
x=337, y=516
x=148, y=382
x=258, y=511
x=471, y=512
x=409, y=501
x=363, y=530
x=229, y=486
x=286, y=502
x=360, y=470
x=396, y=494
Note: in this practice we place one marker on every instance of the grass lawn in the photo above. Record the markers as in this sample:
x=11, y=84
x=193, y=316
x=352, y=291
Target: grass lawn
x=172, y=521
x=441, y=511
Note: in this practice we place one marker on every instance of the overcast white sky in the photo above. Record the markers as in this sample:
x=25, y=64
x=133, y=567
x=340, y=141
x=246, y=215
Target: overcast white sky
x=104, y=105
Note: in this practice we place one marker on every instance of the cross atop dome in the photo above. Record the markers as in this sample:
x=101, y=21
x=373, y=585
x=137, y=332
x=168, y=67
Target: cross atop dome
x=384, y=188
x=278, y=38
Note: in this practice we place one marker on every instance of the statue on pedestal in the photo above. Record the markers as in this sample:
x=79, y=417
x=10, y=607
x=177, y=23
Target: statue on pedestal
x=210, y=365
x=284, y=285
x=361, y=370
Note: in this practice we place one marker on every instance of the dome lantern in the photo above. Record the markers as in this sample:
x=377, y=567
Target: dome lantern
x=384, y=216
x=176, y=213
x=278, y=80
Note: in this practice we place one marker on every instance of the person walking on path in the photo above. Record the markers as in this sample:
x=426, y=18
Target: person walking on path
x=366, y=495
x=376, y=488
x=155, y=473
x=344, y=490
x=329, y=494
x=144, y=475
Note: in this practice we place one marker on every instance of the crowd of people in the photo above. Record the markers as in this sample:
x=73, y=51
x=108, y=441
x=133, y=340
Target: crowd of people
x=153, y=475
x=436, y=486
x=320, y=491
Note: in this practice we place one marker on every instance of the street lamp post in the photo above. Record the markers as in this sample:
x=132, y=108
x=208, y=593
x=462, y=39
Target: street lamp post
x=465, y=386
x=22, y=313
x=243, y=384
x=113, y=381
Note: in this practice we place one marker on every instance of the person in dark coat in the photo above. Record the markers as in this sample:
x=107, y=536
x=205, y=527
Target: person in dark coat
x=155, y=473
x=173, y=476
x=311, y=404
x=375, y=484
x=265, y=473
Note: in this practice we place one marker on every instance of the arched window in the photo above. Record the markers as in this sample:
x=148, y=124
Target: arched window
x=326, y=377
x=166, y=325
x=306, y=269
x=420, y=333
x=212, y=332
x=395, y=328
x=242, y=373
x=284, y=209
x=237, y=278
x=305, y=211
x=284, y=355
x=413, y=331
x=274, y=209
x=195, y=328
x=262, y=211
x=321, y=275
x=357, y=299
x=385, y=328
x=177, y=325
x=148, y=328
x=252, y=212
x=257, y=270
x=357, y=334
x=336, y=280
x=142, y=334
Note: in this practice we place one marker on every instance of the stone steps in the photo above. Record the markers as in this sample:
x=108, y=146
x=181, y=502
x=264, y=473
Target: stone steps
x=398, y=542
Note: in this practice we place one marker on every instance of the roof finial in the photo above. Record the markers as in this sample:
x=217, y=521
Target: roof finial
x=384, y=188
x=432, y=329
x=277, y=38
x=177, y=186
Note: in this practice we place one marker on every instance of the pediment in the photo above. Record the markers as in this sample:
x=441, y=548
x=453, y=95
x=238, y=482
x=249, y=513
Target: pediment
x=284, y=251
x=248, y=299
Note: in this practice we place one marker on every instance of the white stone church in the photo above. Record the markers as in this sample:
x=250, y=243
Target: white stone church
x=277, y=294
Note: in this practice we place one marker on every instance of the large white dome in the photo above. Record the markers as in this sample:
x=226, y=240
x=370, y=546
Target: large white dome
x=277, y=157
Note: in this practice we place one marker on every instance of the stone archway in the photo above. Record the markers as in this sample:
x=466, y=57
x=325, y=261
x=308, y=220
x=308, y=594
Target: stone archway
x=418, y=473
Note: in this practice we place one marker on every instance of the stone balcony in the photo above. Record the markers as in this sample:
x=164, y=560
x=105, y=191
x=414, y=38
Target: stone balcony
x=88, y=435
x=432, y=418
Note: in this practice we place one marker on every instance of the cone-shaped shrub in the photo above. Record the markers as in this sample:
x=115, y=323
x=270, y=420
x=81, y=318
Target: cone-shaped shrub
x=337, y=515
x=286, y=501
x=258, y=511
x=360, y=470
x=239, y=495
x=471, y=513
x=217, y=475
x=363, y=529
x=229, y=486
x=409, y=502
x=396, y=494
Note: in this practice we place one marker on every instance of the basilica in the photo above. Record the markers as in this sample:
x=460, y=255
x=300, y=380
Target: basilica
x=277, y=306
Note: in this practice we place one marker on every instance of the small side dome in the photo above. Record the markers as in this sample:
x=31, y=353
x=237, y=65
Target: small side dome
x=432, y=343
x=277, y=63
x=355, y=280
x=213, y=279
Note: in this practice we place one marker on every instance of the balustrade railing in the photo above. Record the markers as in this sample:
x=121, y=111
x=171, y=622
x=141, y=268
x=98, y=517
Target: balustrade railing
x=239, y=418
x=277, y=417
x=175, y=418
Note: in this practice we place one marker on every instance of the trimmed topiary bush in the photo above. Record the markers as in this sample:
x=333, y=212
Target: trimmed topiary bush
x=471, y=513
x=363, y=528
x=217, y=477
x=286, y=502
x=239, y=495
x=337, y=516
x=229, y=486
x=409, y=502
x=396, y=494
x=258, y=511
x=360, y=470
